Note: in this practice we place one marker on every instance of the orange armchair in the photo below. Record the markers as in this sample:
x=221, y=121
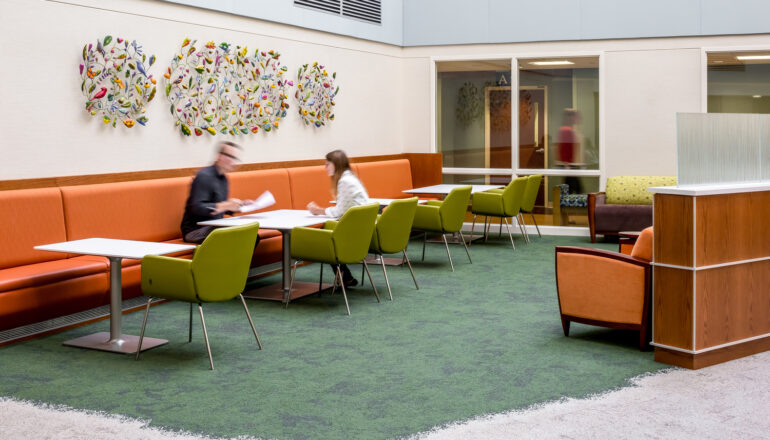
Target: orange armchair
x=604, y=288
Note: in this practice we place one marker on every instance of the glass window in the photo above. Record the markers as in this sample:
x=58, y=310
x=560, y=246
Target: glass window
x=474, y=113
x=559, y=113
x=739, y=82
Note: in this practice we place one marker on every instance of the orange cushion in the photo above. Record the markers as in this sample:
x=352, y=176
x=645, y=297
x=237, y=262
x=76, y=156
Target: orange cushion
x=643, y=247
x=48, y=272
x=148, y=210
x=599, y=288
x=30, y=217
x=248, y=185
x=309, y=184
x=385, y=179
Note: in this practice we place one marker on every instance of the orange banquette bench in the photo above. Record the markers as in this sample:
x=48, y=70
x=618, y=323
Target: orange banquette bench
x=37, y=285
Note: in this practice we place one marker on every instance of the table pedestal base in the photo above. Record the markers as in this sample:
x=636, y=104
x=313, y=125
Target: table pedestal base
x=275, y=292
x=127, y=344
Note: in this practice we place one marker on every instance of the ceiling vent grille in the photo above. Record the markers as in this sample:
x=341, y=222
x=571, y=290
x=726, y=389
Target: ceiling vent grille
x=369, y=11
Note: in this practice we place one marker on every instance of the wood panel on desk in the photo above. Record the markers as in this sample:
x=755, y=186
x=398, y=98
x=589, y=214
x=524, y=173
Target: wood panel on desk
x=712, y=357
x=732, y=227
x=673, y=233
x=732, y=303
x=425, y=168
x=672, y=307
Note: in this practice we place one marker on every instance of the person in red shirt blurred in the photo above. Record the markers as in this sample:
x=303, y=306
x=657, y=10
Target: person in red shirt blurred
x=568, y=143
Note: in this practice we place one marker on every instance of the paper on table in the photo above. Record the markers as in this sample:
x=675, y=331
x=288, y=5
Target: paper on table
x=263, y=201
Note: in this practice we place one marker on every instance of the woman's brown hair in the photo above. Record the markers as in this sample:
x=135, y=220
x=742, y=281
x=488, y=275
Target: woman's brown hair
x=339, y=159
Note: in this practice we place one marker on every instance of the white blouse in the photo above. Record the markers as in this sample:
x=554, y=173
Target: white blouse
x=350, y=192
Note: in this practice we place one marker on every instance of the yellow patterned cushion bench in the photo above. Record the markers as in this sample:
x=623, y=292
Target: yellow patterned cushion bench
x=624, y=206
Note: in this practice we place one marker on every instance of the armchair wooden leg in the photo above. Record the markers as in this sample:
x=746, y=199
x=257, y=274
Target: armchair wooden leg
x=144, y=323
x=248, y=315
x=206, y=337
x=565, y=326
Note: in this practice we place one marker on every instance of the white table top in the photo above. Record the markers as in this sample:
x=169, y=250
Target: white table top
x=711, y=188
x=280, y=219
x=445, y=188
x=385, y=202
x=111, y=247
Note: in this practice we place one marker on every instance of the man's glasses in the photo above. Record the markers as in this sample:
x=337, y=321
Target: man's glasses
x=231, y=156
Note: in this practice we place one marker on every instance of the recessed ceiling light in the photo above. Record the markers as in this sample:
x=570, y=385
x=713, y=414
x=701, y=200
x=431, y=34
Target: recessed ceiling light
x=756, y=96
x=753, y=57
x=551, y=63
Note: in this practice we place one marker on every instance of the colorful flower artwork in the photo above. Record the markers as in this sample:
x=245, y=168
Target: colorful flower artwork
x=218, y=89
x=315, y=94
x=196, y=85
x=115, y=81
x=261, y=91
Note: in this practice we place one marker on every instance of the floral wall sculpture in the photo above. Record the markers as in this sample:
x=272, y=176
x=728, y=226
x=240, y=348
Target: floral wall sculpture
x=261, y=91
x=115, y=81
x=196, y=83
x=218, y=89
x=315, y=94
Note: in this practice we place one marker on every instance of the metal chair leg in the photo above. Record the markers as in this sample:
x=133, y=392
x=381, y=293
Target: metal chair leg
x=486, y=228
x=523, y=227
x=387, y=283
x=473, y=226
x=189, y=336
x=536, y=226
x=291, y=283
x=321, y=278
x=144, y=323
x=366, y=266
x=206, y=337
x=466, y=248
x=447, y=252
x=259, y=343
x=409, y=263
x=424, y=239
x=362, y=274
x=500, y=232
x=342, y=285
x=509, y=234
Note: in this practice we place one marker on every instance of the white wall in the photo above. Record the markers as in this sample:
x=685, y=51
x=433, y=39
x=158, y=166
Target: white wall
x=47, y=132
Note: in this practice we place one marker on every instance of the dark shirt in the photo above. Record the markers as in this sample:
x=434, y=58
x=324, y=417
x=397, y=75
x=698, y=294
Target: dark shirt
x=207, y=189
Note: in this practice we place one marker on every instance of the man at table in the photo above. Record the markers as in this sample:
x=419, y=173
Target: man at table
x=209, y=193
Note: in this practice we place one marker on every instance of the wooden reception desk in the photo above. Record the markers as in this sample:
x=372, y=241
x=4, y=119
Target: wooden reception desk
x=711, y=273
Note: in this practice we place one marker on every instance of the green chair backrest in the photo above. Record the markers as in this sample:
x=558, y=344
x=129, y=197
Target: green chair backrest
x=353, y=233
x=530, y=192
x=513, y=196
x=391, y=233
x=453, y=208
x=221, y=263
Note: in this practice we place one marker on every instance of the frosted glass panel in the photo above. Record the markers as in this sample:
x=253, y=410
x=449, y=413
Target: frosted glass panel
x=722, y=148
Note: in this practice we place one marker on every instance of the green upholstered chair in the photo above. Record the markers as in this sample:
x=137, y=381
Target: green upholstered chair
x=444, y=217
x=530, y=195
x=503, y=204
x=345, y=241
x=391, y=234
x=216, y=273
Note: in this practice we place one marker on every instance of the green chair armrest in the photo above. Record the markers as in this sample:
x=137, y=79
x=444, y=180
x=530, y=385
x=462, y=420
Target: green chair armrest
x=427, y=218
x=168, y=277
x=493, y=191
x=330, y=224
x=487, y=203
x=433, y=203
x=313, y=245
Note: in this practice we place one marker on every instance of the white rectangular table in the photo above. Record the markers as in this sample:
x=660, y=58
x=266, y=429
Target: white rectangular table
x=384, y=202
x=283, y=220
x=446, y=188
x=115, y=250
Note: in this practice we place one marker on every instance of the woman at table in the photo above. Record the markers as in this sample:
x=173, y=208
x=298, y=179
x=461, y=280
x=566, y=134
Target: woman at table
x=347, y=191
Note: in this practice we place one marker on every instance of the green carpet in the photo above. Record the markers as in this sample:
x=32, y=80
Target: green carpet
x=484, y=339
